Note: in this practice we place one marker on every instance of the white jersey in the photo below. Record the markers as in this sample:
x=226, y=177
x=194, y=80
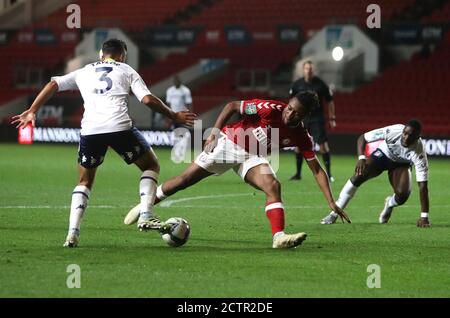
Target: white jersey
x=104, y=86
x=178, y=98
x=391, y=146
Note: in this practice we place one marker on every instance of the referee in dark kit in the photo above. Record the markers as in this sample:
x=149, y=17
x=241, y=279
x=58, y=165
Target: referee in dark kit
x=315, y=123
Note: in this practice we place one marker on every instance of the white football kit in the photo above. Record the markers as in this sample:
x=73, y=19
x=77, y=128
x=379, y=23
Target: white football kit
x=104, y=86
x=178, y=98
x=391, y=146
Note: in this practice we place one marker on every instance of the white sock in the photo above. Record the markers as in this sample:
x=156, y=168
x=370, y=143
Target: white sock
x=147, y=190
x=392, y=203
x=80, y=198
x=160, y=194
x=347, y=193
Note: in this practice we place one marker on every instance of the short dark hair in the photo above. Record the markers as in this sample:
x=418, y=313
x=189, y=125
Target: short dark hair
x=309, y=100
x=416, y=125
x=307, y=62
x=114, y=47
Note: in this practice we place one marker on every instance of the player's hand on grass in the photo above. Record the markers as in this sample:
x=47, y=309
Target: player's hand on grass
x=185, y=117
x=210, y=143
x=423, y=222
x=360, y=167
x=24, y=119
x=341, y=212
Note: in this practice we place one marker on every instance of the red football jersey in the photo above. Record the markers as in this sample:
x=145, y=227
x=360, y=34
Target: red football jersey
x=262, y=129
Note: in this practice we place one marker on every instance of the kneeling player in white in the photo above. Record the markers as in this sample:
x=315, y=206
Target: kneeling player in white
x=232, y=149
x=400, y=147
x=105, y=86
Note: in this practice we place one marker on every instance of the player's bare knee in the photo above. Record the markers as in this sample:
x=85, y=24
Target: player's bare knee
x=148, y=163
x=272, y=186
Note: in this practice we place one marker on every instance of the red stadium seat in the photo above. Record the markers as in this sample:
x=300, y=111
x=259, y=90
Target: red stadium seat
x=412, y=89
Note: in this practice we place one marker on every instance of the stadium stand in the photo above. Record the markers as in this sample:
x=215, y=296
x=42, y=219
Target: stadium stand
x=27, y=54
x=399, y=88
x=311, y=14
x=50, y=57
x=139, y=14
x=262, y=15
x=417, y=88
x=439, y=15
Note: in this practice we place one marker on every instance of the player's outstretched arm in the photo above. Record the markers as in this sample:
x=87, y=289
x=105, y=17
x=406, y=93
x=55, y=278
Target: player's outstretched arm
x=324, y=185
x=29, y=115
x=185, y=117
x=228, y=111
x=424, y=221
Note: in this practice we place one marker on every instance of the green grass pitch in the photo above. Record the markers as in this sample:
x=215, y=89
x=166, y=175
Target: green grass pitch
x=229, y=253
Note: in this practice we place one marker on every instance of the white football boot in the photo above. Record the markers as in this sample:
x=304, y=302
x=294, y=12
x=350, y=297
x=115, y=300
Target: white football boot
x=132, y=216
x=289, y=240
x=330, y=218
x=72, y=239
x=385, y=215
x=149, y=221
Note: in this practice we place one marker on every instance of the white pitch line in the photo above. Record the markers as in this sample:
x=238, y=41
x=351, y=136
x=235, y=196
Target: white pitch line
x=173, y=203
x=168, y=203
x=58, y=206
x=234, y=207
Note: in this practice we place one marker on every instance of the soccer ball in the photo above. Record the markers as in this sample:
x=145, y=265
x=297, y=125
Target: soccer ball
x=177, y=233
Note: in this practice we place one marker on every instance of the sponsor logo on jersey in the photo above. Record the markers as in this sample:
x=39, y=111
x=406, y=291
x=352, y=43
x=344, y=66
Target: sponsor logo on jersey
x=260, y=135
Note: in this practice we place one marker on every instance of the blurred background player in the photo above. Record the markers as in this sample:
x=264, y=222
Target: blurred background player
x=401, y=147
x=179, y=98
x=239, y=146
x=315, y=123
x=104, y=86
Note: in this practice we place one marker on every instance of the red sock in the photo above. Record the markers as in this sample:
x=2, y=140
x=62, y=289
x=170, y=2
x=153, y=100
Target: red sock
x=157, y=200
x=275, y=214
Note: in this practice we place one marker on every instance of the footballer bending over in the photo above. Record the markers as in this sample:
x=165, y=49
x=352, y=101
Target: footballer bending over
x=243, y=147
x=400, y=147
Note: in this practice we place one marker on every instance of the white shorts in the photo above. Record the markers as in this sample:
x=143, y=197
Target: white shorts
x=227, y=155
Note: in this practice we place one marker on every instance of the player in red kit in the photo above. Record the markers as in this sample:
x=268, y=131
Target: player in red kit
x=267, y=125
